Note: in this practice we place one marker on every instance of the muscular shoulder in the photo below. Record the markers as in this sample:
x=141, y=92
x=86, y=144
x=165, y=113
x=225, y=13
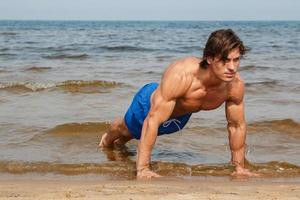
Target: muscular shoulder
x=178, y=77
x=183, y=67
x=236, y=90
x=191, y=63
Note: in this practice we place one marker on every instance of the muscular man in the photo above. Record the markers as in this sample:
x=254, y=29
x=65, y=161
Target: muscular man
x=187, y=86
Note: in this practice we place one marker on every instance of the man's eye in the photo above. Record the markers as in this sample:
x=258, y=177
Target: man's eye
x=236, y=59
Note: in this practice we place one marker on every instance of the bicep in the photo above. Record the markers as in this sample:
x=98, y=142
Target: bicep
x=235, y=112
x=173, y=85
x=161, y=108
x=235, y=102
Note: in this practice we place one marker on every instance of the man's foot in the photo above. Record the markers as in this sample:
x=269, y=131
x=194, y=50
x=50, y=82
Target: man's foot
x=102, y=143
x=120, y=142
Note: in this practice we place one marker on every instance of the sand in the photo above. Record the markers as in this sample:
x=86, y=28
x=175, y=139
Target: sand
x=158, y=189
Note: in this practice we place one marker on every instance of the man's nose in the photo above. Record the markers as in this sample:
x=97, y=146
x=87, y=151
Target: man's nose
x=231, y=66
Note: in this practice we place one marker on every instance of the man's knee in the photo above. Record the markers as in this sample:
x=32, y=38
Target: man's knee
x=118, y=125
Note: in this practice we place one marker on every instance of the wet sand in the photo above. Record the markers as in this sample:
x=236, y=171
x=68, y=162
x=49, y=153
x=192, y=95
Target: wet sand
x=158, y=189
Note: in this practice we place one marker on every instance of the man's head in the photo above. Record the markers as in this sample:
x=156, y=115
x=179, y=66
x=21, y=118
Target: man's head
x=222, y=53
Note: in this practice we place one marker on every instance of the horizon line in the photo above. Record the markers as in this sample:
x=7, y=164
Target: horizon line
x=160, y=20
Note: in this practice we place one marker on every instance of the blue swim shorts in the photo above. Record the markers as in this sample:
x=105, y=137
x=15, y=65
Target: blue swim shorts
x=138, y=111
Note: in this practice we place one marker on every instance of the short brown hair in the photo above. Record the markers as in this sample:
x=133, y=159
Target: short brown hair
x=220, y=43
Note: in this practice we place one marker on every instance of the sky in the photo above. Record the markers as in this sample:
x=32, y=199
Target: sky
x=150, y=9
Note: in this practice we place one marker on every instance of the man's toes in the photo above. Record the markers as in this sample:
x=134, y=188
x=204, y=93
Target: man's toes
x=102, y=143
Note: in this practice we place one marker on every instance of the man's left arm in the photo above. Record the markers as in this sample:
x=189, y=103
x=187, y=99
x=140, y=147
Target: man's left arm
x=237, y=130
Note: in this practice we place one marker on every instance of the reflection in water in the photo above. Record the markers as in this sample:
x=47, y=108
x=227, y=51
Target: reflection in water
x=118, y=153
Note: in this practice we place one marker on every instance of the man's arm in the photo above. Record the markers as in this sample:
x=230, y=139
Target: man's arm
x=237, y=132
x=173, y=85
x=160, y=111
x=237, y=129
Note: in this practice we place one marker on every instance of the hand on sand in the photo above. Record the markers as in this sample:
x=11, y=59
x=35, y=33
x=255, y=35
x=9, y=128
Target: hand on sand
x=240, y=171
x=146, y=173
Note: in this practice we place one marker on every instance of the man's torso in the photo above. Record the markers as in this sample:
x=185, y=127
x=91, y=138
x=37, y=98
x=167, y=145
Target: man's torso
x=197, y=96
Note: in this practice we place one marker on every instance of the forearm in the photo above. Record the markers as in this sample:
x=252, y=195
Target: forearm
x=146, y=143
x=237, y=137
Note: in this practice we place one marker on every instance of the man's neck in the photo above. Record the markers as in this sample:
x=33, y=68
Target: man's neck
x=211, y=80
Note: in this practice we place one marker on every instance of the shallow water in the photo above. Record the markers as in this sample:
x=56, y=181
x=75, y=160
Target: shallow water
x=61, y=83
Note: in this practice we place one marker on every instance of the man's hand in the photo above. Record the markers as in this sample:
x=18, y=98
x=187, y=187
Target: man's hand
x=240, y=171
x=146, y=174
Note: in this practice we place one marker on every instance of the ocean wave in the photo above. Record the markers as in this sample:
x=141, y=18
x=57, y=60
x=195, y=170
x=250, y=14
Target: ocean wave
x=67, y=56
x=163, y=58
x=268, y=86
x=7, y=54
x=74, y=129
x=58, y=48
x=83, y=135
x=287, y=126
x=3, y=71
x=188, y=49
x=128, y=168
x=153, y=72
x=25, y=86
x=252, y=68
x=282, y=126
x=271, y=83
x=74, y=86
x=4, y=49
x=125, y=48
x=30, y=42
x=262, y=87
x=94, y=86
x=8, y=33
x=38, y=69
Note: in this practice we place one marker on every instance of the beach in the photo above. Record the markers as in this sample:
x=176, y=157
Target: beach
x=156, y=189
x=63, y=82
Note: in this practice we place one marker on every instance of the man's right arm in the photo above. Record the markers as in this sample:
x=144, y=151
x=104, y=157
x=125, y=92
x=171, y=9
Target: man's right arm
x=160, y=111
x=173, y=85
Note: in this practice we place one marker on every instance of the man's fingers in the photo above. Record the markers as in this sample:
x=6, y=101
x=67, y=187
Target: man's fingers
x=157, y=176
x=246, y=173
x=256, y=174
x=253, y=174
x=148, y=175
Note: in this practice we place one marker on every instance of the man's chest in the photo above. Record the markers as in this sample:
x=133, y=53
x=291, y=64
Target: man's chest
x=200, y=100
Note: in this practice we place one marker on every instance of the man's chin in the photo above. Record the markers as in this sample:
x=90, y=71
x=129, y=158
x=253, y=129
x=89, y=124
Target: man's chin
x=226, y=79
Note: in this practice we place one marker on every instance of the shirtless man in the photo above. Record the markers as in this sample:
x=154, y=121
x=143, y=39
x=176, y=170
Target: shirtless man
x=187, y=86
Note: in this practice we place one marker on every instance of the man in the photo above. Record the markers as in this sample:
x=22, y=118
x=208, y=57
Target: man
x=187, y=86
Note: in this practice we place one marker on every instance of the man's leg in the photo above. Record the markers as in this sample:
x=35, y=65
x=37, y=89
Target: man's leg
x=117, y=133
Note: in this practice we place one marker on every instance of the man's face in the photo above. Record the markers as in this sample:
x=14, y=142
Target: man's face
x=226, y=70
